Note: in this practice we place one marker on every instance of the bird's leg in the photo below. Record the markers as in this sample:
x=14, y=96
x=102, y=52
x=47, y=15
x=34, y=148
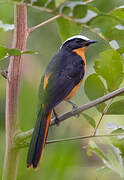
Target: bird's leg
x=56, y=117
x=74, y=106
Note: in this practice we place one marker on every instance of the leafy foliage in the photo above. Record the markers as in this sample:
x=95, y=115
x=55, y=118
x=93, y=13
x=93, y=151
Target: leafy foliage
x=79, y=11
x=112, y=159
x=98, y=88
x=71, y=28
x=90, y=120
x=119, y=140
x=3, y=52
x=116, y=108
x=6, y=52
x=109, y=66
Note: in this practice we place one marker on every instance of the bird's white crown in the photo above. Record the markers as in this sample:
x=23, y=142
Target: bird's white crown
x=77, y=36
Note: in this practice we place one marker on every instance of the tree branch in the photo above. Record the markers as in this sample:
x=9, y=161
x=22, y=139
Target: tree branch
x=20, y=137
x=30, y=30
x=12, y=92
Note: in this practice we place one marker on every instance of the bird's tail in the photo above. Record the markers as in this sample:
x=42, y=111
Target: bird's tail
x=38, y=139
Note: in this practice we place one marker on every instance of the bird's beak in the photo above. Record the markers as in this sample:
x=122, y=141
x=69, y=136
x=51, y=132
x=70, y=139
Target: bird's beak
x=90, y=42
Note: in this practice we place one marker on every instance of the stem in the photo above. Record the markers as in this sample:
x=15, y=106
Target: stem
x=26, y=144
x=43, y=23
x=83, y=137
x=88, y=105
x=12, y=93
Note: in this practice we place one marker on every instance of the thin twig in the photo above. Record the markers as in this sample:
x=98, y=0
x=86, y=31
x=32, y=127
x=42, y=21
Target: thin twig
x=26, y=144
x=73, y=20
x=25, y=135
x=89, y=1
x=43, y=23
x=87, y=27
x=42, y=8
x=83, y=137
x=101, y=117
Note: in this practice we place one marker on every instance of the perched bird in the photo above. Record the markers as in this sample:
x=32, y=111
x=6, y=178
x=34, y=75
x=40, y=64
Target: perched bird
x=60, y=81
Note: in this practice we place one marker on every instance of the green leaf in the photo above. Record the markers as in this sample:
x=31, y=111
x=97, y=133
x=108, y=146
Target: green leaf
x=118, y=130
x=117, y=141
x=103, y=170
x=93, y=148
x=116, y=108
x=115, y=161
x=94, y=87
x=112, y=160
x=3, y=52
x=59, y=2
x=67, y=28
x=120, y=50
x=11, y=52
x=118, y=12
x=14, y=52
x=93, y=9
x=114, y=34
x=79, y=11
x=66, y=10
x=109, y=66
x=50, y=4
x=38, y=2
x=90, y=120
x=29, y=52
x=103, y=22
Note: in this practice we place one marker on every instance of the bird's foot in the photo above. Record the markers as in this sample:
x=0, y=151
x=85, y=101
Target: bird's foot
x=74, y=107
x=56, y=118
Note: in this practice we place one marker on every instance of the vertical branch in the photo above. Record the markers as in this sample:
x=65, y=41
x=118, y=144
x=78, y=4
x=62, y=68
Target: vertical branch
x=12, y=92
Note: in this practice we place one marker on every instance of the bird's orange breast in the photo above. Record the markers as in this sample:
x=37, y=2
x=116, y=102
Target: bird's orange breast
x=74, y=90
x=80, y=52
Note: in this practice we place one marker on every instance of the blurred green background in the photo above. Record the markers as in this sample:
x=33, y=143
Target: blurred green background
x=65, y=160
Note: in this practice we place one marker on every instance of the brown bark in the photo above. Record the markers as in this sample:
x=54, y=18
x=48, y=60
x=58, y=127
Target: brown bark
x=12, y=92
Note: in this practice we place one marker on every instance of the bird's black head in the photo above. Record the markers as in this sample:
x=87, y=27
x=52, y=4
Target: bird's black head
x=76, y=42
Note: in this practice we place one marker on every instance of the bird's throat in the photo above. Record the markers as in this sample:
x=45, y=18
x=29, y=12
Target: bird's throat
x=81, y=52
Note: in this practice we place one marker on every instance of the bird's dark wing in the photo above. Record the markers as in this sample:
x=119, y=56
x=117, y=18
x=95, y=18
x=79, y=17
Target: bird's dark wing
x=57, y=84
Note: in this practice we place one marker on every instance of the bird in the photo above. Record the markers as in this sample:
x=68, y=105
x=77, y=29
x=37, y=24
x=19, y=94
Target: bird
x=60, y=81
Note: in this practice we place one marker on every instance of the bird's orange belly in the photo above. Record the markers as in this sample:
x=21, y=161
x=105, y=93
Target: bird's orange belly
x=80, y=52
x=74, y=90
